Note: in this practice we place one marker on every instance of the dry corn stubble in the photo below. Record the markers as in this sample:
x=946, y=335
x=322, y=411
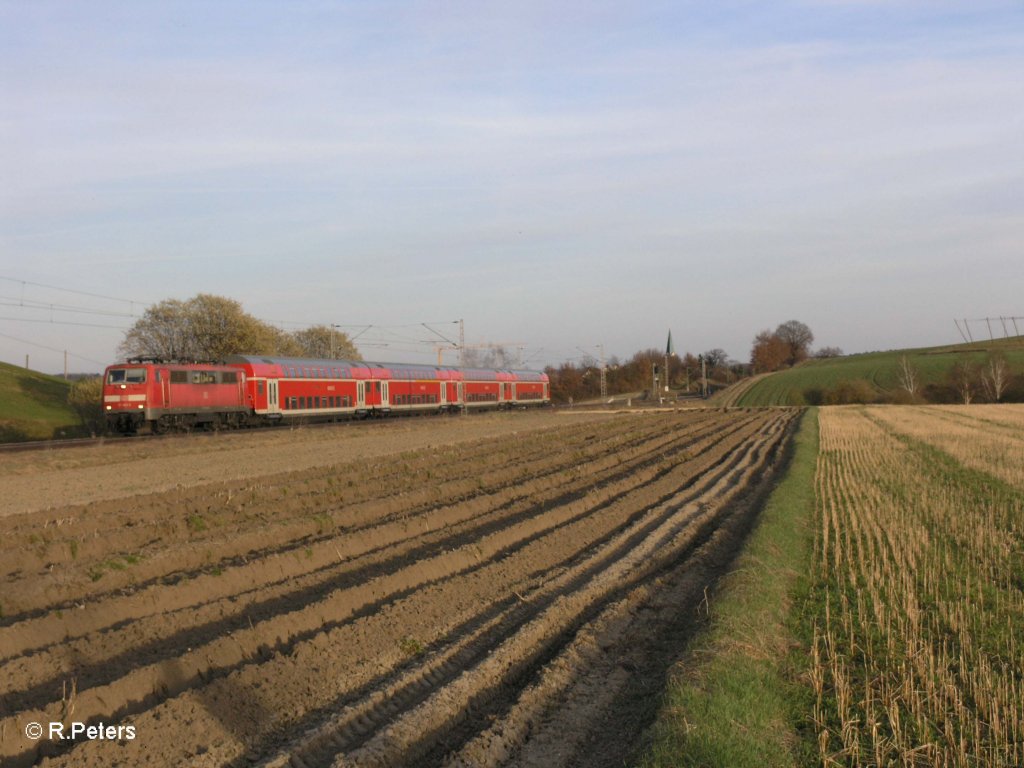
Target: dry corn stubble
x=916, y=657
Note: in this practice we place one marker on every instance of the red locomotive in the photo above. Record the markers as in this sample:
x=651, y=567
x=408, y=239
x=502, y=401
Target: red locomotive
x=248, y=390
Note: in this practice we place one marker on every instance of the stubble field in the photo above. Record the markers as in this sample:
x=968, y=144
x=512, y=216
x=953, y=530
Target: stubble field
x=493, y=590
x=919, y=587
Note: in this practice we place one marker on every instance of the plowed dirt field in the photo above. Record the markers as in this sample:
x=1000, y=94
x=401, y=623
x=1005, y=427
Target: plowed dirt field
x=490, y=590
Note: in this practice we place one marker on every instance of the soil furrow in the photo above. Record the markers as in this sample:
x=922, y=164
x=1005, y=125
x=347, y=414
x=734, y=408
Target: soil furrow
x=331, y=511
x=419, y=608
x=404, y=740
x=318, y=556
x=103, y=671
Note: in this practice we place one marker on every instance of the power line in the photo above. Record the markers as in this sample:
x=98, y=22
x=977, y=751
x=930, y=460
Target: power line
x=9, y=301
x=72, y=290
x=51, y=349
x=63, y=322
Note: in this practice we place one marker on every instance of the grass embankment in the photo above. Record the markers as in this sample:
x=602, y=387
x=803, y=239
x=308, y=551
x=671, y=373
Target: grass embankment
x=735, y=700
x=33, y=406
x=896, y=638
x=879, y=371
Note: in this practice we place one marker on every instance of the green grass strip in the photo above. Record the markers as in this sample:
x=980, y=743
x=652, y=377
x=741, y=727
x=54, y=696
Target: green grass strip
x=735, y=700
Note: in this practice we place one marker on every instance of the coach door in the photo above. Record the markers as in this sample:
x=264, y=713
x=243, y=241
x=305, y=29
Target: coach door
x=360, y=394
x=272, y=405
x=165, y=387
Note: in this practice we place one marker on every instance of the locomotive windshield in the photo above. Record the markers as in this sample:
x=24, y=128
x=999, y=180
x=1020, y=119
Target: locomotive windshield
x=127, y=376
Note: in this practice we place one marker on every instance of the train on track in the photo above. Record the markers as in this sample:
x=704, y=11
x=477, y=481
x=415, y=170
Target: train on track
x=248, y=390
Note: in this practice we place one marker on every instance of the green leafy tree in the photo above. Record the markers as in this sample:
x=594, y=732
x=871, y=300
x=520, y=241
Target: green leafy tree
x=85, y=397
x=324, y=342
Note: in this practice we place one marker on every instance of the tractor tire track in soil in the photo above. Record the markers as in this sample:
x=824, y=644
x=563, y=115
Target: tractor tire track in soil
x=505, y=601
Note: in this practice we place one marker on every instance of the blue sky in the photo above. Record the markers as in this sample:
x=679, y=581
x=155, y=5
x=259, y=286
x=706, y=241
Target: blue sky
x=556, y=174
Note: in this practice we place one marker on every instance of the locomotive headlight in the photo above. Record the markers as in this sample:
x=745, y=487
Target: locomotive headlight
x=141, y=407
x=108, y=407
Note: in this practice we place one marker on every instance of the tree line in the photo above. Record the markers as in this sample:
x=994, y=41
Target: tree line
x=578, y=381
x=972, y=379
x=210, y=328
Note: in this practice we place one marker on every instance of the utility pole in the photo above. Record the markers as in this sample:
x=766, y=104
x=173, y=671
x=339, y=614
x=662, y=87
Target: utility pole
x=604, y=374
x=65, y=365
x=669, y=350
x=462, y=344
x=704, y=377
x=654, y=379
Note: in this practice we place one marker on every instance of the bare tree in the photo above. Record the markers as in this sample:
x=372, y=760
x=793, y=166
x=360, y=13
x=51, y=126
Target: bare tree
x=963, y=378
x=995, y=375
x=826, y=352
x=492, y=356
x=909, y=378
x=797, y=337
x=716, y=357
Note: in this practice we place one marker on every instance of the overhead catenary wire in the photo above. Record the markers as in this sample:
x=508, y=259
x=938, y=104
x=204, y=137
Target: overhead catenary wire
x=8, y=301
x=74, y=290
x=52, y=349
x=63, y=322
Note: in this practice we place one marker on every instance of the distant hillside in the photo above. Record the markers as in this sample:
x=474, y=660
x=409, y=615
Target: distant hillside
x=33, y=406
x=876, y=374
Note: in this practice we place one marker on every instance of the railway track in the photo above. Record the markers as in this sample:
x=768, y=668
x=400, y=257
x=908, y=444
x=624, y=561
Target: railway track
x=491, y=604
